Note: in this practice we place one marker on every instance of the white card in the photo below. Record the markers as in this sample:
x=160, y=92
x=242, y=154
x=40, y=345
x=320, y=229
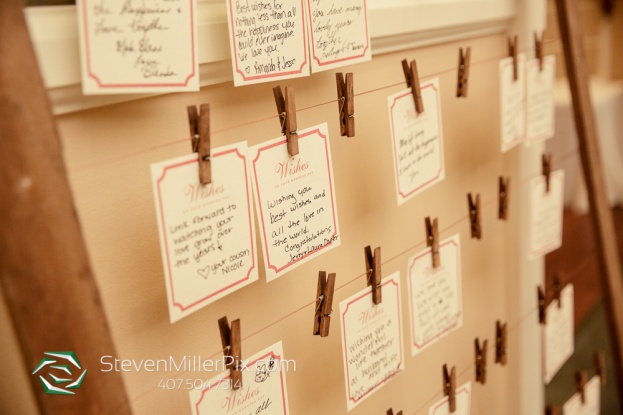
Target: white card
x=295, y=199
x=263, y=388
x=207, y=232
x=133, y=46
x=371, y=340
x=592, y=396
x=417, y=141
x=546, y=211
x=512, y=103
x=463, y=397
x=540, y=99
x=435, y=299
x=338, y=33
x=267, y=40
x=558, y=334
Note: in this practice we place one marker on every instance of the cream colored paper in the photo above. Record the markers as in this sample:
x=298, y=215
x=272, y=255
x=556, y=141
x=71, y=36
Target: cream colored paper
x=338, y=33
x=417, y=141
x=540, y=99
x=546, y=209
x=435, y=298
x=512, y=102
x=263, y=388
x=463, y=397
x=207, y=232
x=133, y=46
x=558, y=335
x=267, y=40
x=295, y=199
x=592, y=404
x=371, y=340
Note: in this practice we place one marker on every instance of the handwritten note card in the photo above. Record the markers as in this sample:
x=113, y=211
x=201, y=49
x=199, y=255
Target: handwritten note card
x=463, y=402
x=371, y=340
x=558, y=334
x=540, y=99
x=435, y=298
x=512, y=103
x=295, y=198
x=339, y=33
x=546, y=209
x=267, y=40
x=207, y=232
x=133, y=46
x=417, y=141
x=263, y=388
x=592, y=396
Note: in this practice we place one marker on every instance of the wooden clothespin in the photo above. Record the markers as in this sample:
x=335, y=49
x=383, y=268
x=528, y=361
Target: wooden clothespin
x=390, y=411
x=538, y=49
x=500, y=343
x=232, y=349
x=432, y=239
x=481, y=361
x=542, y=304
x=473, y=204
x=512, y=52
x=581, y=377
x=557, y=289
x=552, y=410
x=287, y=116
x=346, y=103
x=504, y=188
x=449, y=386
x=413, y=82
x=546, y=162
x=373, y=272
x=461, y=86
x=324, y=304
x=599, y=359
x=200, y=139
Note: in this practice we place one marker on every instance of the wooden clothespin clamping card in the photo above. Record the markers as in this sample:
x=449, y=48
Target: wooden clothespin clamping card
x=286, y=109
x=512, y=52
x=373, y=272
x=473, y=205
x=413, y=81
x=542, y=304
x=449, y=386
x=599, y=359
x=390, y=411
x=199, y=124
x=552, y=410
x=481, y=361
x=232, y=349
x=546, y=169
x=346, y=103
x=503, y=189
x=538, y=49
x=432, y=239
x=581, y=378
x=324, y=304
x=463, y=75
x=500, y=343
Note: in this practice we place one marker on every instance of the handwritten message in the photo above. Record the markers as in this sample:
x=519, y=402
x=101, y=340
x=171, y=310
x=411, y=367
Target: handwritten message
x=295, y=198
x=540, y=99
x=463, y=397
x=339, y=33
x=546, y=211
x=263, y=389
x=207, y=232
x=417, y=141
x=512, y=102
x=132, y=46
x=558, y=336
x=371, y=340
x=435, y=294
x=592, y=396
x=267, y=40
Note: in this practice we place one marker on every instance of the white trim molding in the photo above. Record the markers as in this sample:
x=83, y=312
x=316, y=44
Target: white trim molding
x=394, y=25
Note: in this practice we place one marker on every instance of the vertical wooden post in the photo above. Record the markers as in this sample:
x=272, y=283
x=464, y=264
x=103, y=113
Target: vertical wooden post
x=46, y=279
x=601, y=215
